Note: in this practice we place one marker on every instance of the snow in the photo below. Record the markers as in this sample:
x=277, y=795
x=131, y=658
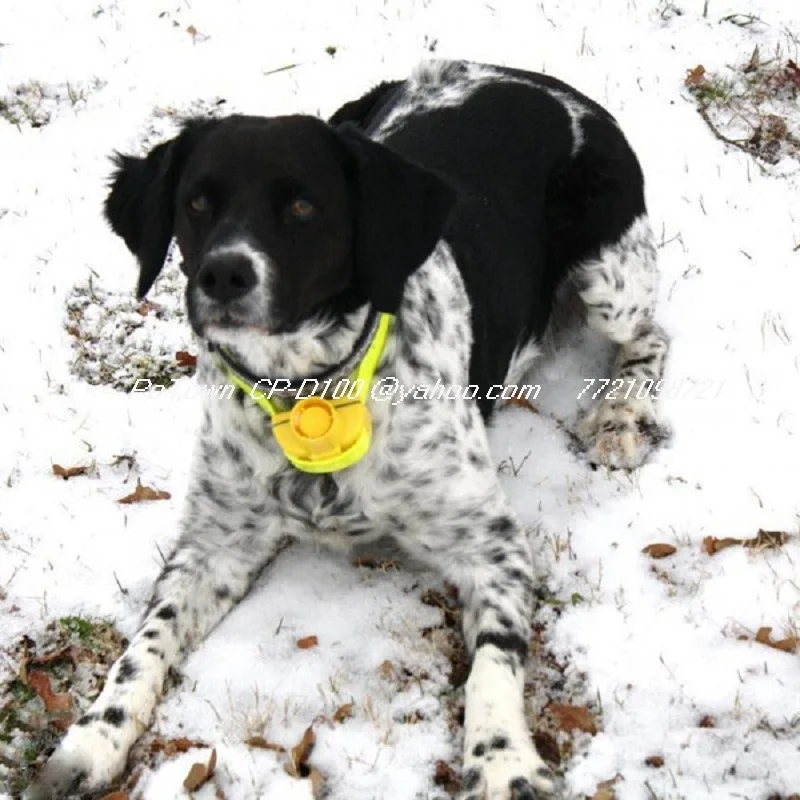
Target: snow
x=651, y=646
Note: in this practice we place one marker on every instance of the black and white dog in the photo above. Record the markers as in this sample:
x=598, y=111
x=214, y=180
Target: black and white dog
x=461, y=201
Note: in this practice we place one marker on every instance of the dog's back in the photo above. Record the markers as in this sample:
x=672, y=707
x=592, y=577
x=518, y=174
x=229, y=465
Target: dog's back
x=545, y=179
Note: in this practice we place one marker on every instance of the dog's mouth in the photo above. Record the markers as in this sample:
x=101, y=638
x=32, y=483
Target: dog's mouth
x=227, y=323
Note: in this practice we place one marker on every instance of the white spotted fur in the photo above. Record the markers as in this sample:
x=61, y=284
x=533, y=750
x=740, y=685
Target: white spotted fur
x=429, y=480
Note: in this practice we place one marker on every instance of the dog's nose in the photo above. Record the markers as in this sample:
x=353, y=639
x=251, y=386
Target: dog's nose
x=226, y=277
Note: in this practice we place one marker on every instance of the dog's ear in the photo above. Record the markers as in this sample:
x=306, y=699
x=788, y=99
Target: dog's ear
x=141, y=204
x=401, y=210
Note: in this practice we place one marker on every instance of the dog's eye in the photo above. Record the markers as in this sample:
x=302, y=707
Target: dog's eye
x=300, y=210
x=199, y=204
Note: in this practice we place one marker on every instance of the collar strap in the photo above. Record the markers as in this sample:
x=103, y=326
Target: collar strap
x=316, y=434
x=367, y=331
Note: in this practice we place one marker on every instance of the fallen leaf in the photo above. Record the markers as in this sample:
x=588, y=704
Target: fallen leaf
x=200, y=773
x=708, y=722
x=146, y=307
x=762, y=635
x=605, y=789
x=143, y=493
x=547, y=746
x=116, y=796
x=763, y=540
x=197, y=776
x=317, y=783
x=696, y=76
x=307, y=642
x=386, y=669
x=68, y=472
x=40, y=683
x=713, y=545
x=343, y=712
x=171, y=747
x=787, y=645
x=300, y=753
x=767, y=539
x=654, y=761
x=573, y=717
x=185, y=359
x=261, y=743
x=659, y=550
x=522, y=403
x=444, y=775
x=369, y=562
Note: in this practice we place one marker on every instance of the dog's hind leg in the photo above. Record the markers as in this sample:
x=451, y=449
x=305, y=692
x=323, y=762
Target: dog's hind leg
x=618, y=289
x=221, y=551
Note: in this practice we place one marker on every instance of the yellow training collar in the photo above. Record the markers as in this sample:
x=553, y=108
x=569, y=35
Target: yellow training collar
x=319, y=435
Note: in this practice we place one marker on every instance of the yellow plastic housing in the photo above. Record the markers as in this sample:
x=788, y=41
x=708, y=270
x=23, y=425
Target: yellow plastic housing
x=320, y=435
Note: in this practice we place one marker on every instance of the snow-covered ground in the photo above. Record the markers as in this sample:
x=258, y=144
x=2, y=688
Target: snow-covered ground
x=662, y=652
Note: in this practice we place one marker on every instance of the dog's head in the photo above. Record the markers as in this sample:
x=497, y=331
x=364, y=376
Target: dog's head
x=279, y=220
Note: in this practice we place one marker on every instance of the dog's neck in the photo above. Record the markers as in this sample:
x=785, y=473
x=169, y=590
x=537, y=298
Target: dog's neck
x=325, y=349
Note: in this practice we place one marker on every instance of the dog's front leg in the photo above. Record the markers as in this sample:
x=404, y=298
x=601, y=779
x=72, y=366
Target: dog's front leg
x=494, y=572
x=217, y=557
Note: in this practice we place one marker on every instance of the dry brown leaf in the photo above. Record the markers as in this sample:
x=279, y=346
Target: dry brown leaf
x=763, y=540
x=573, y=717
x=713, y=545
x=659, y=550
x=767, y=539
x=185, y=359
x=146, y=306
x=317, y=783
x=40, y=683
x=787, y=645
x=386, y=669
x=261, y=743
x=708, y=722
x=522, y=403
x=763, y=635
x=68, y=472
x=200, y=773
x=445, y=776
x=116, y=796
x=605, y=789
x=343, y=712
x=197, y=776
x=654, y=761
x=307, y=642
x=171, y=747
x=143, y=493
x=300, y=753
x=370, y=562
x=694, y=77
x=547, y=746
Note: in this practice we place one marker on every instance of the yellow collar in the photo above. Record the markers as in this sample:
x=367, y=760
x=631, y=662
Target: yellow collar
x=318, y=435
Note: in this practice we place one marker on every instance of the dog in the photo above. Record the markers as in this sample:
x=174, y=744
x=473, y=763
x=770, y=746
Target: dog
x=427, y=231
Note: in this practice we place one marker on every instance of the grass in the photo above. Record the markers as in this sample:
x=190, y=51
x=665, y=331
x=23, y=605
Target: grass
x=753, y=106
x=74, y=653
x=118, y=339
x=35, y=104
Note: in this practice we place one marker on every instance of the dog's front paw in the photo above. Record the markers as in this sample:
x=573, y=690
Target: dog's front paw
x=498, y=769
x=85, y=761
x=620, y=434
